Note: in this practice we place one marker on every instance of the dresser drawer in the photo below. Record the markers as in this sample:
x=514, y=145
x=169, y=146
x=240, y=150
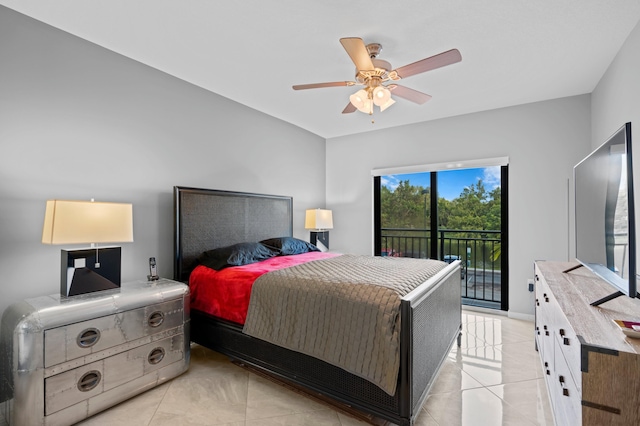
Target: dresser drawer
x=82, y=338
x=551, y=322
x=569, y=345
x=77, y=385
x=565, y=395
x=544, y=335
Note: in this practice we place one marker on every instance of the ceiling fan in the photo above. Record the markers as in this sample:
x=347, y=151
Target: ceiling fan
x=375, y=74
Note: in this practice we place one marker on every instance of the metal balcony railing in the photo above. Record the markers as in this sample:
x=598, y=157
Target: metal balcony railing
x=478, y=250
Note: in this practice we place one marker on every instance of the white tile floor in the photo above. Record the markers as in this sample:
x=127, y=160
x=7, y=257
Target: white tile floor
x=494, y=378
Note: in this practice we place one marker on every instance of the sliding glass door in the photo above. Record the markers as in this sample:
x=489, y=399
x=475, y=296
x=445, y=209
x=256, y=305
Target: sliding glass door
x=449, y=215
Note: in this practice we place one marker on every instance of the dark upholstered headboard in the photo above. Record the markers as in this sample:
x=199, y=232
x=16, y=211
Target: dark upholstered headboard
x=205, y=219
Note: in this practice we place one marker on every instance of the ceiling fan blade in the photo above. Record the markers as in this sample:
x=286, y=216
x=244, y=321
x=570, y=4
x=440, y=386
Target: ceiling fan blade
x=349, y=108
x=440, y=60
x=358, y=52
x=409, y=94
x=320, y=85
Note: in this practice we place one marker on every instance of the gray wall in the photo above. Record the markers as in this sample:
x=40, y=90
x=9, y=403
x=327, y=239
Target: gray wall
x=615, y=101
x=78, y=121
x=616, y=98
x=542, y=140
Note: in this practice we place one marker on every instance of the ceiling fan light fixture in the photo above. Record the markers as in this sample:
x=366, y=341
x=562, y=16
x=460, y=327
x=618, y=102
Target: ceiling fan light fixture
x=367, y=107
x=381, y=95
x=359, y=98
x=372, y=73
x=387, y=104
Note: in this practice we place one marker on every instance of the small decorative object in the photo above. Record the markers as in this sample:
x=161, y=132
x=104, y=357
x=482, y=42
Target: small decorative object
x=88, y=222
x=319, y=221
x=153, y=270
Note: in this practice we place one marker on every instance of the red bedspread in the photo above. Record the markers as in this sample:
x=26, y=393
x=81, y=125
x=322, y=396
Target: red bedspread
x=226, y=293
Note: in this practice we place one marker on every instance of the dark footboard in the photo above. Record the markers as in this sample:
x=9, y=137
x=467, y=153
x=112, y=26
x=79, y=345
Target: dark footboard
x=430, y=323
x=435, y=324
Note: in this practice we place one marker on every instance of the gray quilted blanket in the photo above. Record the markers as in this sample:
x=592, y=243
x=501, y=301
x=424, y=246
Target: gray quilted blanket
x=343, y=310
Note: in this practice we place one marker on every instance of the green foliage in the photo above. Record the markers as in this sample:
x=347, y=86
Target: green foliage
x=475, y=209
x=409, y=207
x=405, y=207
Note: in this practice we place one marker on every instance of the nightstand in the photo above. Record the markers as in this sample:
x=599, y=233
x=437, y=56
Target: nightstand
x=65, y=359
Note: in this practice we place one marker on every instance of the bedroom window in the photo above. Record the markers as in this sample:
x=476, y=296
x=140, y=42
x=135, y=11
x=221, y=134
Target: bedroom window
x=455, y=214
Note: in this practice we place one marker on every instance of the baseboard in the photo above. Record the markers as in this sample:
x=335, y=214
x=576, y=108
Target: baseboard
x=521, y=316
x=484, y=310
x=510, y=314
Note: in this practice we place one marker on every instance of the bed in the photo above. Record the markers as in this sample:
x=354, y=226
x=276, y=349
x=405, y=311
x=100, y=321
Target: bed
x=430, y=314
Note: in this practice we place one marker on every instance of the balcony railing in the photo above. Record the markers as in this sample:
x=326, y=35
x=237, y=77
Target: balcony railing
x=478, y=251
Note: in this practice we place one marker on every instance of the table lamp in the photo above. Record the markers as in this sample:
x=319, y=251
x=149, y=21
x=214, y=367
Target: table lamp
x=319, y=221
x=88, y=222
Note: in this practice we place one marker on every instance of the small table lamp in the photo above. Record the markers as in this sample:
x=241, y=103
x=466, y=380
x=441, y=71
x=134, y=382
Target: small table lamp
x=319, y=221
x=84, y=222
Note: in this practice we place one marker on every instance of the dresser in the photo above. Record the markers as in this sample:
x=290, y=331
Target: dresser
x=65, y=359
x=592, y=369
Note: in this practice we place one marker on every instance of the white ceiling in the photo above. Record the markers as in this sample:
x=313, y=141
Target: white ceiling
x=253, y=51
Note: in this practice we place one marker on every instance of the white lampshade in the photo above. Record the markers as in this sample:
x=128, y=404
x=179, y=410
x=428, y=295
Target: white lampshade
x=381, y=95
x=368, y=107
x=387, y=104
x=81, y=222
x=359, y=98
x=318, y=219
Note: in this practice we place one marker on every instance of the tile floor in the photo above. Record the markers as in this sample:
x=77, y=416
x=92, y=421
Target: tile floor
x=494, y=378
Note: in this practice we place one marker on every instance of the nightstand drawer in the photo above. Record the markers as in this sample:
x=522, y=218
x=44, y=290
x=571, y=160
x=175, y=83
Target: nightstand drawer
x=77, y=385
x=76, y=340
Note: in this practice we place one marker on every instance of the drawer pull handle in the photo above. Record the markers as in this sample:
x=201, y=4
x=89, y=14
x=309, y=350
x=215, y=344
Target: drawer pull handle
x=565, y=391
x=156, y=356
x=89, y=381
x=566, y=341
x=156, y=318
x=562, y=332
x=88, y=337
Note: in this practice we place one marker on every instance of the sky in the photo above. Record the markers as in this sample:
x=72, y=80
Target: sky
x=450, y=182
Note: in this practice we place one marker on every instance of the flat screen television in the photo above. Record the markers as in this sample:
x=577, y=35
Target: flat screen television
x=605, y=228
